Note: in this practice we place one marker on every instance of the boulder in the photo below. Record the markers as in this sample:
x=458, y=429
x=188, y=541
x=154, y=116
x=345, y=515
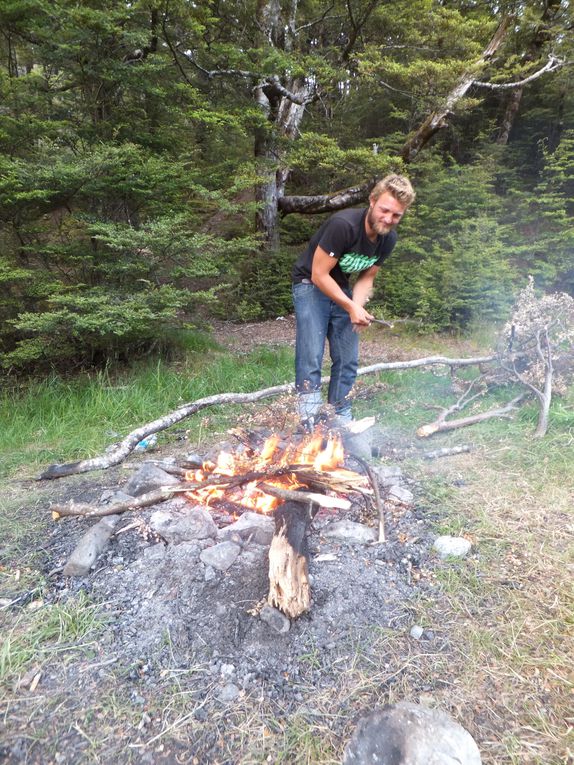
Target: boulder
x=149, y=478
x=455, y=547
x=220, y=556
x=250, y=525
x=410, y=734
x=350, y=532
x=196, y=523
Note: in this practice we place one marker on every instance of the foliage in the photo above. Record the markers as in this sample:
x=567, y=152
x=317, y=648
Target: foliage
x=137, y=143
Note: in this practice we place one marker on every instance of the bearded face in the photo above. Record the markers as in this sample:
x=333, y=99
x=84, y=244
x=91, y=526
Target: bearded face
x=384, y=214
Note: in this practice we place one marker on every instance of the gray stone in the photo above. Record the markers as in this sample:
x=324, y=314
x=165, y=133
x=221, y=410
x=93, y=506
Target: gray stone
x=255, y=556
x=114, y=497
x=228, y=693
x=90, y=546
x=416, y=632
x=196, y=523
x=398, y=493
x=209, y=574
x=275, y=619
x=447, y=546
x=357, y=444
x=148, y=478
x=409, y=734
x=388, y=475
x=220, y=556
x=260, y=527
x=154, y=552
x=350, y=532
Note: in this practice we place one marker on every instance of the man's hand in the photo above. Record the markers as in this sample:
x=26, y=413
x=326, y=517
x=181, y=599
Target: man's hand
x=360, y=317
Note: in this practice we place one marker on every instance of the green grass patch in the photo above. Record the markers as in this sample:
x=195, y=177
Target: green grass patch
x=57, y=420
x=40, y=635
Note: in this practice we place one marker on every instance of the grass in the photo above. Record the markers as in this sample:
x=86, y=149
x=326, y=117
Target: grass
x=43, y=632
x=501, y=661
x=58, y=420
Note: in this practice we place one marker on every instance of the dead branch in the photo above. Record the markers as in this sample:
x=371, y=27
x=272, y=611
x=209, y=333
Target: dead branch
x=305, y=496
x=93, y=511
x=125, y=447
x=447, y=451
x=379, y=507
x=440, y=424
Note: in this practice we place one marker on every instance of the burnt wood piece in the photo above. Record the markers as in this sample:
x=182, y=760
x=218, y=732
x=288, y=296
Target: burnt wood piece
x=289, y=588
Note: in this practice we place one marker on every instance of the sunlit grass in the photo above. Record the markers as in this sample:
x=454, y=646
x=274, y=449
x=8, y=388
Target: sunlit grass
x=57, y=420
x=37, y=636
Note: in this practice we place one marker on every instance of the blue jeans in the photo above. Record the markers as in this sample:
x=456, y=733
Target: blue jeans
x=318, y=319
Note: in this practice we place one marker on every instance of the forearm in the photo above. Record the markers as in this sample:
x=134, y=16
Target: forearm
x=329, y=287
x=362, y=291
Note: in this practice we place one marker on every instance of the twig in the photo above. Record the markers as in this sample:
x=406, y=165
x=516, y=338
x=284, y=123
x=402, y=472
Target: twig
x=376, y=496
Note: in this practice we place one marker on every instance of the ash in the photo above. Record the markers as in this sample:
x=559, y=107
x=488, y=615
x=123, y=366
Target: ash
x=166, y=609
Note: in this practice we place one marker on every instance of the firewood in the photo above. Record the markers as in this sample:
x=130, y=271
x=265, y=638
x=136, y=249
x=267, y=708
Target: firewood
x=289, y=588
x=448, y=451
x=305, y=496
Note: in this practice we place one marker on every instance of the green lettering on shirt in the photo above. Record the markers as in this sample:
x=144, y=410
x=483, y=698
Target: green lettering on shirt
x=351, y=262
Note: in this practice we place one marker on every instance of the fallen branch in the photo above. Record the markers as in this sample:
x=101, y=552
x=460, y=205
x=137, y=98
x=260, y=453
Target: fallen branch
x=93, y=511
x=376, y=498
x=447, y=452
x=440, y=424
x=125, y=447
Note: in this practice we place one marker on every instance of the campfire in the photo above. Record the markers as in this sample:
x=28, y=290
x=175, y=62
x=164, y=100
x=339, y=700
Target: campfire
x=259, y=480
x=290, y=479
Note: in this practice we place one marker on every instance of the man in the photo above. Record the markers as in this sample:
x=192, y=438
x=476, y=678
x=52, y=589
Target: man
x=349, y=242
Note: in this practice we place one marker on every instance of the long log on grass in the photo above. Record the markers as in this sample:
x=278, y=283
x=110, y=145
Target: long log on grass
x=126, y=447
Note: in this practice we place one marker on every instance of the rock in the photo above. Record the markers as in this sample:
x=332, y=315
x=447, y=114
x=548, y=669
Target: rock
x=398, y=493
x=114, y=497
x=220, y=556
x=350, y=532
x=388, y=475
x=154, y=552
x=90, y=546
x=196, y=523
x=228, y=693
x=260, y=527
x=194, y=459
x=409, y=734
x=275, y=619
x=255, y=556
x=148, y=478
x=455, y=547
x=416, y=632
x=357, y=444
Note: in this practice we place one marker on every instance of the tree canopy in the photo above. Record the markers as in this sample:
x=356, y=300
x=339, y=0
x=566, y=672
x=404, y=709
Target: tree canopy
x=161, y=161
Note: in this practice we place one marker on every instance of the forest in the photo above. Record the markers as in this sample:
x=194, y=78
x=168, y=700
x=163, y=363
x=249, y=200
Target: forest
x=164, y=163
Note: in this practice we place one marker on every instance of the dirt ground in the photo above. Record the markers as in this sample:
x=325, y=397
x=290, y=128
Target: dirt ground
x=179, y=667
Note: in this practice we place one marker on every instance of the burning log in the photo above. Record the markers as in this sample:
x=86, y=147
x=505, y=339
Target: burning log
x=289, y=588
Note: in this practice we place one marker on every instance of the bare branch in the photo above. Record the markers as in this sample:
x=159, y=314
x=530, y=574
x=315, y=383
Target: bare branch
x=551, y=65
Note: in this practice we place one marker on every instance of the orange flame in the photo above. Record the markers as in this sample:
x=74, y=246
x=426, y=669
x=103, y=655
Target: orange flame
x=319, y=451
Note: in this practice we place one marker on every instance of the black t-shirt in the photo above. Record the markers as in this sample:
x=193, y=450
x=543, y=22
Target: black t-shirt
x=344, y=237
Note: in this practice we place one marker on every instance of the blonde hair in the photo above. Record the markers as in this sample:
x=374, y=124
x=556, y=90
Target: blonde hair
x=398, y=186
